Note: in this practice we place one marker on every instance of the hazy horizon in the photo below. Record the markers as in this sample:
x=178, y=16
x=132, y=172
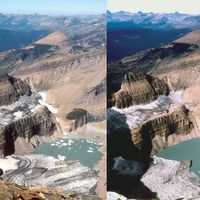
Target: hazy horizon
x=156, y=6
x=133, y=12
x=54, y=8
x=51, y=15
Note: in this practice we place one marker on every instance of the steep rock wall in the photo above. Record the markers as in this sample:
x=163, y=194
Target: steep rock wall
x=11, y=89
x=40, y=123
x=139, y=88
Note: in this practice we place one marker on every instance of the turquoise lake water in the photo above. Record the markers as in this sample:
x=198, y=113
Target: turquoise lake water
x=188, y=150
x=86, y=151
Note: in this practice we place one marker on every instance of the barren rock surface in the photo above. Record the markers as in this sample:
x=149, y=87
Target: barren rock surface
x=14, y=192
x=171, y=179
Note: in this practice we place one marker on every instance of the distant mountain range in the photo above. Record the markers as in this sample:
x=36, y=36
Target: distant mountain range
x=18, y=31
x=128, y=33
x=155, y=20
x=43, y=22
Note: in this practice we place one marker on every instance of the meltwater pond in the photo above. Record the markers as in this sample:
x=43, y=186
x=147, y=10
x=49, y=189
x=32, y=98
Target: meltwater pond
x=188, y=150
x=86, y=151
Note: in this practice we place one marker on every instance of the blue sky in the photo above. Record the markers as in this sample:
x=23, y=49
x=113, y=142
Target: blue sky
x=53, y=7
x=160, y=6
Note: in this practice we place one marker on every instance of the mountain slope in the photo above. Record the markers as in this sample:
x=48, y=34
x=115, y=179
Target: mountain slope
x=73, y=60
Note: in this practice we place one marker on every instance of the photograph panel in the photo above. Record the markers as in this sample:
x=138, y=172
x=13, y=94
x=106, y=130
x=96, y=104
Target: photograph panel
x=152, y=99
x=53, y=99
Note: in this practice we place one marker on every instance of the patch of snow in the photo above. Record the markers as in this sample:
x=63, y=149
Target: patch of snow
x=176, y=97
x=18, y=114
x=137, y=114
x=115, y=196
x=29, y=172
x=8, y=163
x=42, y=102
x=90, y=151
x=62, y=158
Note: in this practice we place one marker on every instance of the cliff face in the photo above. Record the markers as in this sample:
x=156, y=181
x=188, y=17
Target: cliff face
x=176, y=122
x=11, y=89
x=40, y=123
x=139, y=88
x=21, y=115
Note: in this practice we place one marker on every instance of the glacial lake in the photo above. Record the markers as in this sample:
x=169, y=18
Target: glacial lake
x=188, y=150
x=86, y=151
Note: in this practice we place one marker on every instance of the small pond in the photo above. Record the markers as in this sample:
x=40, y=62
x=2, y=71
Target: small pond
x=86, y=151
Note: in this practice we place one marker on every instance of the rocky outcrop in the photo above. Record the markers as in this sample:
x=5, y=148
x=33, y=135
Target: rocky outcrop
x=11, y=89
x=10, y=191
x=176, y=122
x=40, y=123
x=139, y=89
x=78, y=118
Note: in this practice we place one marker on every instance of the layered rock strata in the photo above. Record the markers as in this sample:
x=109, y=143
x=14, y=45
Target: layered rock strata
x=139, y=89
x=177, y=122
x=39, y=123
x=11, y=89
x=22, y=116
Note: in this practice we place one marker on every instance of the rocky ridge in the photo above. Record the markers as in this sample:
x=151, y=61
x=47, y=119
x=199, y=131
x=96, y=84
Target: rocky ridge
x=139, y=88
x=150, y=61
